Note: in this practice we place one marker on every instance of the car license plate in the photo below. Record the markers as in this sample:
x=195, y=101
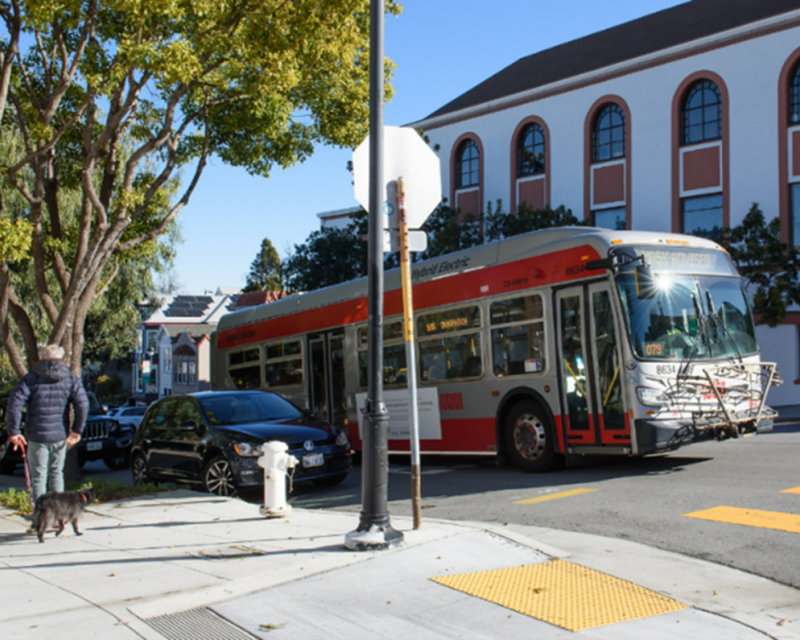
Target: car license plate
x=94, y=446
x=314, y=460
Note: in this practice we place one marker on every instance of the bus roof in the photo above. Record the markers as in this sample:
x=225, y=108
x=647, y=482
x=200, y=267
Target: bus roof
x=527, y=245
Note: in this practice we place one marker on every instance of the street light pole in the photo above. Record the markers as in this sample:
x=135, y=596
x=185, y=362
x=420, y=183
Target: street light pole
x=374, y=529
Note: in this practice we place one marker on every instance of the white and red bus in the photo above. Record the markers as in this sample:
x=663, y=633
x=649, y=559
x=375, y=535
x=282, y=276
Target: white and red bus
x=572, y=340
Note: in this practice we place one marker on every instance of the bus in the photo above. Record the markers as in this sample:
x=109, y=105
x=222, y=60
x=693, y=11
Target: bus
x=571, y=341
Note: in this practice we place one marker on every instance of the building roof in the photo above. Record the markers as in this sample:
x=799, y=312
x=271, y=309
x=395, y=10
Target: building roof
x=190, y=310
x=650, y=34
x=193, y=330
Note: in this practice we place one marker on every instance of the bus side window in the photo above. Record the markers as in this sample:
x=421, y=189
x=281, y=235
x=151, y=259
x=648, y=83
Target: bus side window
x=450, y=344
x=518, y=338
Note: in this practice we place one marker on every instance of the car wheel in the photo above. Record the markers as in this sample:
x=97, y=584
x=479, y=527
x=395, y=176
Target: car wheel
x=218, y=477
x=139, y=469
x=529, y=438
x=330, y=481
x=118, y=461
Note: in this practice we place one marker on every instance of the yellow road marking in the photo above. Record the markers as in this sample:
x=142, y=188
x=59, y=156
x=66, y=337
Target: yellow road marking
x=750, y=518
x=563, y=594
x=555, y=496
x=794, y=490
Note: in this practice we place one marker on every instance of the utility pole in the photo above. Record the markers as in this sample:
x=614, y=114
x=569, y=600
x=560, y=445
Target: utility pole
x=374, y=529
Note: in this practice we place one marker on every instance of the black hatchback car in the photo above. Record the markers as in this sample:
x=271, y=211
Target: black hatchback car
x=213, y=439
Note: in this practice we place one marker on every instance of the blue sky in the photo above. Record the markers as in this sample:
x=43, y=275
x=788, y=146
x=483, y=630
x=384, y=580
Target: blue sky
x=442, y=48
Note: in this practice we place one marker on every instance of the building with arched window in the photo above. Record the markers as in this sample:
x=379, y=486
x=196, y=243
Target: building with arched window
x=677, y=121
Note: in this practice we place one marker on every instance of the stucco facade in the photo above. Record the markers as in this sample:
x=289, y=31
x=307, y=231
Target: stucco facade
x=654, y=177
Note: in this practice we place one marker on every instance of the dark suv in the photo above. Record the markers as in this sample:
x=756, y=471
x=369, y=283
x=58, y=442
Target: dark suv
x=103, y=438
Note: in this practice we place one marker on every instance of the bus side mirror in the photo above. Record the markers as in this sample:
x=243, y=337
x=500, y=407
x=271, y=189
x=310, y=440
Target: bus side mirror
x=594, y=265
x=645, y=281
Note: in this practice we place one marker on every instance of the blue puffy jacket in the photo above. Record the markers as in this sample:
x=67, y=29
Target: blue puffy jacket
x=47, y=389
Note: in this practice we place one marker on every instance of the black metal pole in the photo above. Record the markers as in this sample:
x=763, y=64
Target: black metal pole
x=374, y=529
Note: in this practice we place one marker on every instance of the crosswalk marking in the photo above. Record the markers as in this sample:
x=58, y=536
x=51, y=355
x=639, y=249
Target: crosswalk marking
x=555, y=496
x=750, y=518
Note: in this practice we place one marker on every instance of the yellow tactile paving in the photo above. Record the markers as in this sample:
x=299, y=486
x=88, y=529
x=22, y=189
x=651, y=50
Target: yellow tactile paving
x=793, y=490
x=563, y=594
x=750, y=518
x=555, y=496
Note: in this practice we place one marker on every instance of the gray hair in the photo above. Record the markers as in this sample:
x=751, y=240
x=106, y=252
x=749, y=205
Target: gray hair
x=51, y=352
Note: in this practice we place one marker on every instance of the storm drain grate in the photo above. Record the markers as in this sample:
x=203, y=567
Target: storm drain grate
x=197, y=624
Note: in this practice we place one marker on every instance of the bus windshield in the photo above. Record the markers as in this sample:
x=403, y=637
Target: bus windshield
x=688, y=317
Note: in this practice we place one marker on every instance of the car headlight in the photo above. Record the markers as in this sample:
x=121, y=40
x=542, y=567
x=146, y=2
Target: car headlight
x=342, y=440
x=651, y=397
x=247, y=449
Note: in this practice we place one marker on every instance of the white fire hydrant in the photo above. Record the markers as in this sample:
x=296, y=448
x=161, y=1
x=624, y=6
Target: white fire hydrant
x=276, y=463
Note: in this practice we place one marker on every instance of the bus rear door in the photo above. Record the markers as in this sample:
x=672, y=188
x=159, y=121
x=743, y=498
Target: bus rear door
x=326, y=391
x=593, y=412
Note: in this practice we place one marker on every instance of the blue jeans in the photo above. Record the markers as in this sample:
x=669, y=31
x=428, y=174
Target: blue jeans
x=46, y=460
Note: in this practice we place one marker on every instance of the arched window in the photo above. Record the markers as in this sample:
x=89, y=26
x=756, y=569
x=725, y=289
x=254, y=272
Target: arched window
x=794, y=97
x=530, y=151
x=468, y=165
x=701, y=117
x=608, y=135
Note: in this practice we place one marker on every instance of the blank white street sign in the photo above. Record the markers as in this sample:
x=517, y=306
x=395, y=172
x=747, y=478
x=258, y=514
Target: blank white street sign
x=405, y=155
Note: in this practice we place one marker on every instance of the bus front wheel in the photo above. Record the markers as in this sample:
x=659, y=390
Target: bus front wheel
x=529, y=438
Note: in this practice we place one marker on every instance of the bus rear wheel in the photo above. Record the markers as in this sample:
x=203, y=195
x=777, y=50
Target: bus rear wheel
x=529, y=438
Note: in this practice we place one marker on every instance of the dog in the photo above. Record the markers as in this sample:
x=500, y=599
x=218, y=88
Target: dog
x=60, y=508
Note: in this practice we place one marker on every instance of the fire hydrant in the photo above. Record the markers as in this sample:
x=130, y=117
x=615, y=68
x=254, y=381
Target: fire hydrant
x=276, y=463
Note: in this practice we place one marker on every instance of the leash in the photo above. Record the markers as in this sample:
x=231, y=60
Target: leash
x=27, y=474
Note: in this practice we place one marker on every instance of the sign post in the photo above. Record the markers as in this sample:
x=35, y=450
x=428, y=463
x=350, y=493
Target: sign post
x=374, y=530
x=411, y=360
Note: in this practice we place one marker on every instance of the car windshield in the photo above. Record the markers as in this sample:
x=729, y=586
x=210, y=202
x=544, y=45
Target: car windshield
x=238, y=408
x=689, y=316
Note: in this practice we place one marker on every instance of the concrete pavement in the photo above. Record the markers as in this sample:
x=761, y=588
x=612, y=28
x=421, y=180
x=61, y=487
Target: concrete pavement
x=188, y=565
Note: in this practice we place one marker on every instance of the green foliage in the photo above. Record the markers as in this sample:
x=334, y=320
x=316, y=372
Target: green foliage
x=504, y=225
x=768, y=266
x=448, y=230
x=265, y=271
x=112, y=390
x=19, y=501
x=108, y=490
x=327, y=257
x=109, y=101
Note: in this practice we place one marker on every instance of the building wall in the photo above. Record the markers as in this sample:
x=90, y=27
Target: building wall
x=750, y=71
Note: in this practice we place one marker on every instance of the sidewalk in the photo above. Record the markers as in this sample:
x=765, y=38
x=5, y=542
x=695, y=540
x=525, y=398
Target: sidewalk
x=188, y=565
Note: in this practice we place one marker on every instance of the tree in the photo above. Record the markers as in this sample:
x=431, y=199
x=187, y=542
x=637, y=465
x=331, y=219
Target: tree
x=504, y=225
x=328, y=256
x=107, y=101
x=265, y=271
x=768, y=266
x=449, y=230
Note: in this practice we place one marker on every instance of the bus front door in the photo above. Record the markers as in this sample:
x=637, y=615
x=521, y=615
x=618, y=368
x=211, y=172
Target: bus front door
x=589, y=367
x=326, y=394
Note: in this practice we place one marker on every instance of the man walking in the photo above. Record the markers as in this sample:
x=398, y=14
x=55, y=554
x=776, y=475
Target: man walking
x=47, y=389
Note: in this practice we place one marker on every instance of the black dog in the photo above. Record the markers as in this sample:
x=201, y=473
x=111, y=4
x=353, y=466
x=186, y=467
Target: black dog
x=60, y=507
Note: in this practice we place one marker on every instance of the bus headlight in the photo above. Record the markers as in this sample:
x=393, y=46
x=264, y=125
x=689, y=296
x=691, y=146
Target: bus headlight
x=651, y=397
